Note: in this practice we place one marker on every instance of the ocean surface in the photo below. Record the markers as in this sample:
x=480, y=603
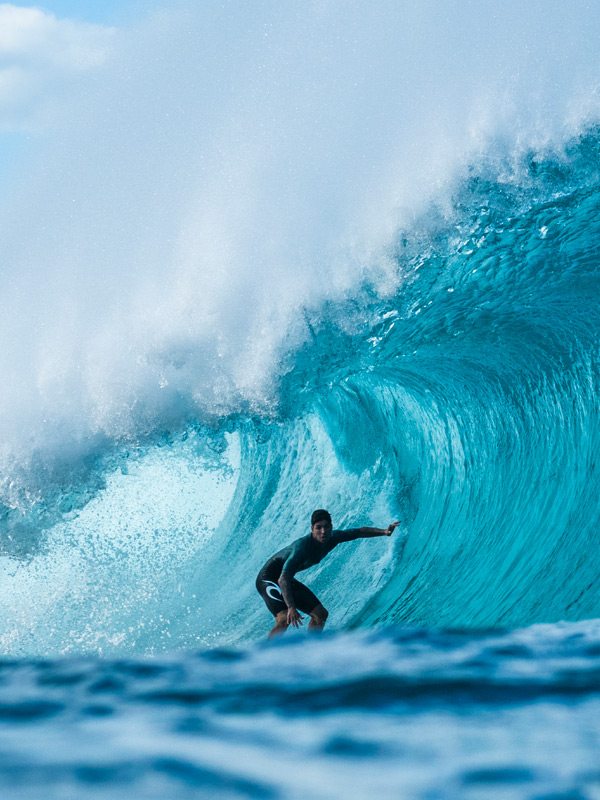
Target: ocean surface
x=398, y=712
x=290, y=258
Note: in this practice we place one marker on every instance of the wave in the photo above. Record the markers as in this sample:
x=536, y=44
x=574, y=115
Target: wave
x=465, y=403
x=181, y=398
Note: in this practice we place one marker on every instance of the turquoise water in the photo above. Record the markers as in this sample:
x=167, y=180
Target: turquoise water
x=396, y=713
x=312, y=298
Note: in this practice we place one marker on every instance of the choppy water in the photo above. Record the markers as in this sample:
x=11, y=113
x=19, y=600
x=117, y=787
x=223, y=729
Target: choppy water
x=188, y=373
x=396, y=713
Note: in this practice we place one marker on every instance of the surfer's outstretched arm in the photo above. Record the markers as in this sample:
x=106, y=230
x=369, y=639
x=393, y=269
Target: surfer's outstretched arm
x=368, y=533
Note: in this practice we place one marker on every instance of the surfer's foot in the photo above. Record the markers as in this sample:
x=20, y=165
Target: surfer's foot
x=281, y=625
x=318, y=618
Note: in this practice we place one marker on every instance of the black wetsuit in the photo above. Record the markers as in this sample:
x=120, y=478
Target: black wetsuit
x=301, y=554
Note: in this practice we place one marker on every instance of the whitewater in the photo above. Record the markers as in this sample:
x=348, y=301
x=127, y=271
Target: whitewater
x=264, y=261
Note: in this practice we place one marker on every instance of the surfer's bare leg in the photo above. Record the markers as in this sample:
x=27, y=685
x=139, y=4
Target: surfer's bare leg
x=281, y=624
x=318, y=617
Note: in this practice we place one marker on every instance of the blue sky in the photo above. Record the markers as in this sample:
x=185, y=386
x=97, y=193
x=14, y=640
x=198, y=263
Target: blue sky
x=98, y=11
x=42, y=46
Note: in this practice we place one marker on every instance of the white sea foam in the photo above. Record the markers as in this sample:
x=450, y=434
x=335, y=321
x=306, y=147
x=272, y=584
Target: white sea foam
x=229, y=167
x=131, y=549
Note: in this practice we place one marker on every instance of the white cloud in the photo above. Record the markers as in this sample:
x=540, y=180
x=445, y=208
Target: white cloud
x=38, y=51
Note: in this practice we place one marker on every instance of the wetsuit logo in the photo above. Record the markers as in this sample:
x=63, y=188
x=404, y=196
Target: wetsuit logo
x=273, y=591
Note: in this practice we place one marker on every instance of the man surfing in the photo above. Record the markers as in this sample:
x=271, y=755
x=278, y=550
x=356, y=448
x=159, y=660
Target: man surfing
x=284, y=596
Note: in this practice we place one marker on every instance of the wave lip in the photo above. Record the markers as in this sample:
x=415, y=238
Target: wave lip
x=136, y=296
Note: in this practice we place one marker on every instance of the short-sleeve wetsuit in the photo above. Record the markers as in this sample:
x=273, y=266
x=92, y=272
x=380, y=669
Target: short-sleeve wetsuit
x=297, y=556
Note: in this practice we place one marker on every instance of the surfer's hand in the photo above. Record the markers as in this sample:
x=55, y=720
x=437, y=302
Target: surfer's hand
x=293, y=618
x=391, y=528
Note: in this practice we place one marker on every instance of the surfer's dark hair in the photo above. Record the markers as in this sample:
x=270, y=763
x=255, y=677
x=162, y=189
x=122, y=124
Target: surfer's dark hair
x=319, y=515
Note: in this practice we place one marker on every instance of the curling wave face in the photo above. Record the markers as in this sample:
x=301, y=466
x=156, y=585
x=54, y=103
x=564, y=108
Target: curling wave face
x=468, y=407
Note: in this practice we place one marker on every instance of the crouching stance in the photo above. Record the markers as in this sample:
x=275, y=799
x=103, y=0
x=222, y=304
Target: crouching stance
x=283, y=594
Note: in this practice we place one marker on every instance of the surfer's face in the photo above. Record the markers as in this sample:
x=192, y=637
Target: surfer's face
x=321, y=530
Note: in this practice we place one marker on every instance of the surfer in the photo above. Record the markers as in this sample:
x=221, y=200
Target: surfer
x=285, y=596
